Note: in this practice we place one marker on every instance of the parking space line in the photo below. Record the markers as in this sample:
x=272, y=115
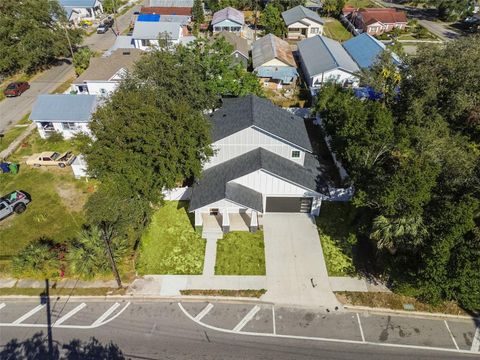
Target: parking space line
x=204, y=312
x=451, y=335
x=476, y=341
x=247, y=318
x=2, y=305
x=28, y=314
x=69, y=314
x=106, y=314
x=361, y=329
x=273, y=317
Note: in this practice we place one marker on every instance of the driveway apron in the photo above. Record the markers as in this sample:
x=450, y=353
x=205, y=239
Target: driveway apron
x=296, y=270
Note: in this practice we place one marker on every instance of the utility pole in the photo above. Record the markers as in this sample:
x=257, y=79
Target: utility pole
x=115, y=16
x=68, y=39
x=110, y=256
x=256, y=12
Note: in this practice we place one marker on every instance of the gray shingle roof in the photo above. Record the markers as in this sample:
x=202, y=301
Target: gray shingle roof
x=213, y=184
x=320, y=54
x=63, y=108
x=298, y=13
x=243, y=195
x=240, y=113
x=147, y=30
x=271, y=47
x=239, y=44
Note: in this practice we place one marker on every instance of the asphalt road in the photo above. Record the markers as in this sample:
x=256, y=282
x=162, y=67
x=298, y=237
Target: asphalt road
x=14, y=109
x=162, y=330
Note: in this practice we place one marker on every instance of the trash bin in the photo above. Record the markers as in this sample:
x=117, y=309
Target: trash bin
x=4, y=167
x=13, y=168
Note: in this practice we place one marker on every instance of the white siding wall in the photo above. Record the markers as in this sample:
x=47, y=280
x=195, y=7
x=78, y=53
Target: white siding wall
x=95, y=88
x=247, y=140
x=67, y=134
x=221, y=205
x=308, y=24
x=275, y=62
x=337, y=75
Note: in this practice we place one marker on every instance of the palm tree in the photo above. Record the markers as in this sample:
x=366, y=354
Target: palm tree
x=395, y=233
x=37, y=258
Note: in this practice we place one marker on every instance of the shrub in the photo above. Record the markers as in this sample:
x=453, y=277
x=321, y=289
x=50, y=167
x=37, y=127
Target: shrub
x=338, y=263
x=55, y=137
x=38, y=259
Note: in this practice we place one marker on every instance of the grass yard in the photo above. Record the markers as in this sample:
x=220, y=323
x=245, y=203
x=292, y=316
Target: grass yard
x=15, y=131
x=337, y=235
x=361, y=3
x=241, y=253
x=335, y=30
x=170, y=245
x=56, y=210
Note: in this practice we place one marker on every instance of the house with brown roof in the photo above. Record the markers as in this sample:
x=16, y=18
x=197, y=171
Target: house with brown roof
x=172, y=14
x=376, y=21
x=105, y=73
x=273, y=62
x=241, y=49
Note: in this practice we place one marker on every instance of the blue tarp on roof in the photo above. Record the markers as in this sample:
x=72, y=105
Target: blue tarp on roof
x=365, y=50
x=286, y=74
x=367, y=93
x=149, y=17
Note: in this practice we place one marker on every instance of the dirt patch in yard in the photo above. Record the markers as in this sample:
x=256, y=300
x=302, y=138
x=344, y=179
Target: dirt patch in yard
x=72, y=197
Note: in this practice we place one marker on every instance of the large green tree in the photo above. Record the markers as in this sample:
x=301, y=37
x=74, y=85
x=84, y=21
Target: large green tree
x=197, y=12
x=271, y=20
x=33, y=34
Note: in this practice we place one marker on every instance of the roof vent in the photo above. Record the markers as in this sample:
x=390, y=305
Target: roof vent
x=224, y=115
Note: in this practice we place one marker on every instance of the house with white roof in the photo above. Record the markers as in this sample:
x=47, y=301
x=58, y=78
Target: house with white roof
x=63, y=113
x=264, y=162
x=323, y=60
x=228, y=19
x=302, y=22
x=105, y=73
x=77, y=10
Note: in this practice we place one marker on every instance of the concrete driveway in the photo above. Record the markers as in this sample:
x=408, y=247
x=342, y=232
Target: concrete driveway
x=294, y=259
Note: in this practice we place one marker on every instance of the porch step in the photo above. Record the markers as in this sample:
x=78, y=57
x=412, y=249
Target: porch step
x=212, y=234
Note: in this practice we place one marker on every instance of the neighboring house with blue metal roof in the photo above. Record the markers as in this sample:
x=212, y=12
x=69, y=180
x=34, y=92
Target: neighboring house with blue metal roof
x=273, y=62
x=264, y=162
x=63, y=113
x=323, y=59
x=365, y=50
x=228, y=19
x=78, y=10
x=302, y=22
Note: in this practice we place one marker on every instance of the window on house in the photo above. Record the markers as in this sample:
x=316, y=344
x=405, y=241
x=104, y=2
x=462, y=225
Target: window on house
x=69, y=126
x=295, y=154
x=314, y=30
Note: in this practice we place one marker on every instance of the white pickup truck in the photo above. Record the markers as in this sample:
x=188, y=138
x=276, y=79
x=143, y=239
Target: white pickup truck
x=15, y=202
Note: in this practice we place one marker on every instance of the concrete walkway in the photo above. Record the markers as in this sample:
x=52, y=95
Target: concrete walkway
x=170, y=285
x=210, y=255
x=296, y=270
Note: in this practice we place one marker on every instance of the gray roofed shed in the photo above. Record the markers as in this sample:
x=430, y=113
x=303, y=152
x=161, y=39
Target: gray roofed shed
x=214, y=183
x=320, y=54
x=63, y=108
x=298, y=13
x=240, y=113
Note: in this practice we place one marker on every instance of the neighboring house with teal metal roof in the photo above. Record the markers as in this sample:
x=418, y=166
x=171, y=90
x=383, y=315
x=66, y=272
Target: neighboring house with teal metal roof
x=273, y=62
x=228, y=19
x=78, y=10
x=323, y=59
x=365, y=50
x=63, y=113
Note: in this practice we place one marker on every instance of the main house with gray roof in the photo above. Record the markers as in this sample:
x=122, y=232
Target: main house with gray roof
x=228, y=19
x=323, y=59
x=263, y=163
x=146, y=34
x=302, y=22
x=63, y=113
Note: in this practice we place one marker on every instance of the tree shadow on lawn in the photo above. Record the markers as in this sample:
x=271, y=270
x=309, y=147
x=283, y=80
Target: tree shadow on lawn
x=36, y=348
x=183, y=205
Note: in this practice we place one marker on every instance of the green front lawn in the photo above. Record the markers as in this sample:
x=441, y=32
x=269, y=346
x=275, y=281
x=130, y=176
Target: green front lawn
x=170, y=245
x=336, y=227
x=335, y=30
x=10, y=135
x=361, y=3
x=241, y=253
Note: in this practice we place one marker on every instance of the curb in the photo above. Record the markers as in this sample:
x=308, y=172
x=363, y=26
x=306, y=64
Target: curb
x=409, y=313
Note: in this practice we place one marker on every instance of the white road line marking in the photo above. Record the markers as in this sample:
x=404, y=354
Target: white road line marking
x=69, y=314
x=273, y=317
x=476, y=341
x=296, y=337
x=2, y=305
x=451, y=335
x=204, y=312
x=28, y=314
x=361, y=329
x=106, y=314
x=247, y=318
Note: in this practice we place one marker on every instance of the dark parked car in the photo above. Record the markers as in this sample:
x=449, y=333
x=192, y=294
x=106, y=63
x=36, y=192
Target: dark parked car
x=105, y=25
x=16, y=88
